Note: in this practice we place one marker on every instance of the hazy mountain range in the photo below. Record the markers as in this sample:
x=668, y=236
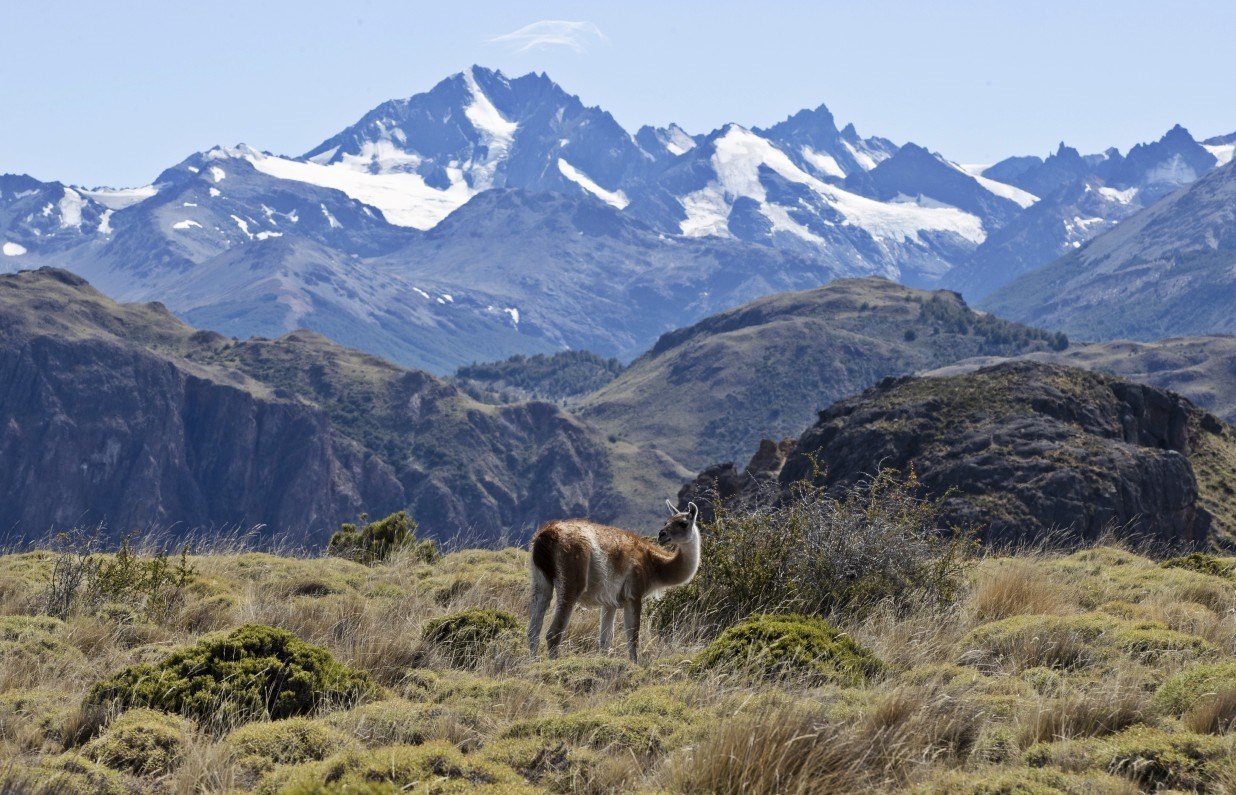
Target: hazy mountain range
x=493, y=216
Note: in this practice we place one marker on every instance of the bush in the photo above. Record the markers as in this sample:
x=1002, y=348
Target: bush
x=818, y=553
x=252, y=672
x=789, y=647
x=375, y=542
x=84, y=580
x=143, y=742
x=465, y=636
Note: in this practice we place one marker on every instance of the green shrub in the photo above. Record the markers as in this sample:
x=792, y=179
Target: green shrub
x=465, y=636
x=1191, y=687
x=1200, y=562
x=375, y=542
x=142, y=741
x=254, y=671
x=816, y=553
x=789, y=647
x=259, y=747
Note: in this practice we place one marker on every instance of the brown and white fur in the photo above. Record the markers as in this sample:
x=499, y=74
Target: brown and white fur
x=580, y=562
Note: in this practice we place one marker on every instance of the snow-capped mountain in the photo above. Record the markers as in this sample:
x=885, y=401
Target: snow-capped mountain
x=492, y=215
x=1083, y=196
x=46, y=216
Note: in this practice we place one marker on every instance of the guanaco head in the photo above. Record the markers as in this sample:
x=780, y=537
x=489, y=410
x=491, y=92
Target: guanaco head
x=680, y=527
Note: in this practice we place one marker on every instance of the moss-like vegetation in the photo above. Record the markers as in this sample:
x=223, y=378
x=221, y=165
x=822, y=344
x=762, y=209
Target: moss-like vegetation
x=790, y=647
x=649, y=722
x=438, y=768
x=465, y=636
x=142, y=742
x=259, y=747
x=1153, y=758
x=1189, y=688
x=1202, y=563
x=585, y=675
x=1077, y=641
x=254, y=671
x=66, y=773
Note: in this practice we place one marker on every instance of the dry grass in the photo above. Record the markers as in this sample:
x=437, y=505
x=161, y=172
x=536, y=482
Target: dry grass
x=1007, y=587
x=943, y=718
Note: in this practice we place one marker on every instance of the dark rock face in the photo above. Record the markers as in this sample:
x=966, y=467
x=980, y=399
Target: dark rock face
x=1022, y=450
x=119, y=413
x=135, y=442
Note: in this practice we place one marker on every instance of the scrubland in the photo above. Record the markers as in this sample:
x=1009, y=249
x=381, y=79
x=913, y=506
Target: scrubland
x=1095, y=670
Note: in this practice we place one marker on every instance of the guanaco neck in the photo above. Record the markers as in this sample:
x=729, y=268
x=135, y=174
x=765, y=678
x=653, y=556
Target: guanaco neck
x=678, y=567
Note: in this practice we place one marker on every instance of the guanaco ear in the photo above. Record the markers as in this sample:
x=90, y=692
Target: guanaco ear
x=694, y=510
x=672, y=507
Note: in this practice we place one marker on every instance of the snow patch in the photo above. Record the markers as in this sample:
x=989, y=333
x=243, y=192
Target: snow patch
x=105, y=222
x=496, y=133
x=1022, y=198
x=324, y=157
x=215, y=193
x=422, y=292
x=189, y=204
x=403, y=198
x=217, y=174
x=71, y=209
x=865, y=161
x=13, y=249
x=514, y=313
x=1122, y=196
x=330, y=219
x=244, y=226
x=824, y=162
x=267, y=235
x=1173, y=171
x=677, y=142
x=186, y=224
x=1222, y=152
x=736, y=161
x=448, y=298
x=194, y=169
x=118, y=199
x=613, y=198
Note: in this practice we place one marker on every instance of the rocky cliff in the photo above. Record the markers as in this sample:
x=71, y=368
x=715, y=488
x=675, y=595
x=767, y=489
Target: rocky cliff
x=1019, y=451
x=120, y=413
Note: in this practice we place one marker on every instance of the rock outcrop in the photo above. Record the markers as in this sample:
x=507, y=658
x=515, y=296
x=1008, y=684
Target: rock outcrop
x=1020, y=451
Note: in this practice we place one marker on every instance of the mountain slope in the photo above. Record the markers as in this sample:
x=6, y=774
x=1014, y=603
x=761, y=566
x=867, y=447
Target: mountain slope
x=141, y=421
x=1164, y=272
x=711, y=391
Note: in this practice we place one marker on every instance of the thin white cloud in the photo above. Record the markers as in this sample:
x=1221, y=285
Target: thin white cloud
x=550, y=33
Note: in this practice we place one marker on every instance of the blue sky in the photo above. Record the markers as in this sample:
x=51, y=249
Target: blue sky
x=111, y=93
